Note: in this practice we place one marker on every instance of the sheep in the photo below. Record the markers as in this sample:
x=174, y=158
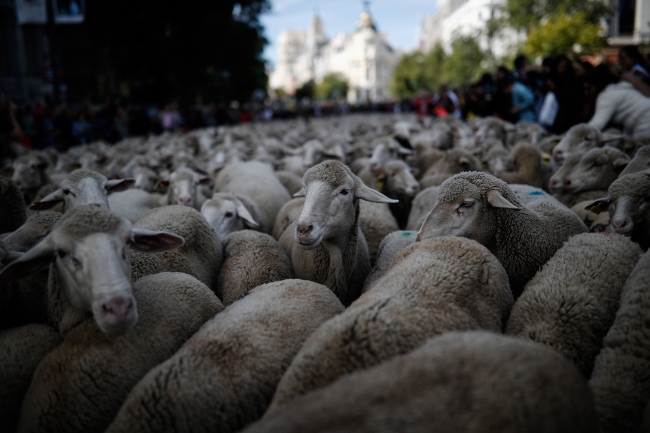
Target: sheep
x=183, y=188
x=29, y=173
x=458, y=382
x=389, y=247
x=329, y=246
x=21, y=350
x=395, y=180
x=80, y=385
x=528, y=167
x=522, y=236
x=557, y=183
x=570, y=304
x=89, y=252
x=455, y=161
x=250, y=260
x=287, y=214
x=256, y=181
x=133, y=204
x=596, y=170
x=640, y=162
x=422, y=205
x=596, y=223
x=289, y=180
x=376, y=222
x=628, y=203
x=145, y=178
x=581, y=138
x=224, y=377
x=619, y=380
x=201, y=255
x=433, y=286
x=230, y=212
x=12, y=203
x=82, y=187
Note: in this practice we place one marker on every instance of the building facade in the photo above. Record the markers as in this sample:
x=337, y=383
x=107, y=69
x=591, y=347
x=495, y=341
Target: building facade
x=469, y=18
x=630, y=23
x=364, y=58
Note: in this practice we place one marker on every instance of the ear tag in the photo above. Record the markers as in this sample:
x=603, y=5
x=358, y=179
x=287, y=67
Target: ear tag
x=484, y=165
x=380, y=184
x=595, y=208
x=546, y=158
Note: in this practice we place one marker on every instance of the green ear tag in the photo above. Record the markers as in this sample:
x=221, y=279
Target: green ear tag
x=379, y=185
x=595, y=208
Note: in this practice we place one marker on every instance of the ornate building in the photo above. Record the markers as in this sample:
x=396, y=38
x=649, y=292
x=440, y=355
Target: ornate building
x=364, y=58
x=469, y=17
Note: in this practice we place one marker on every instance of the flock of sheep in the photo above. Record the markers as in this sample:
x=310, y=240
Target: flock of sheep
x=429, y=275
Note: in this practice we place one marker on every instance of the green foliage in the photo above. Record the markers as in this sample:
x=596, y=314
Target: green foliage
x=170, y=51
x=306, y=90
x=417, y=71
x=565, y=34
x=527, y=14
x=333, y=86
x=464, y=64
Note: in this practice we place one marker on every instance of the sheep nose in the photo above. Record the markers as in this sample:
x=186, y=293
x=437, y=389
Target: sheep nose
x=557, y=154
x=619, y=224
x=119, y=308
x=415, y=188
x=304, y=229
x=568, y=182
x=185, y=201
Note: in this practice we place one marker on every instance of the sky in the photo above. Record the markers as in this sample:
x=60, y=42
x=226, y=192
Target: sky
x=399, y=20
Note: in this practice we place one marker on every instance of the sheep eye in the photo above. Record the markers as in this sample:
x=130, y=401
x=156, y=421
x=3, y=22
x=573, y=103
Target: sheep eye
x=344, y=192
x=61, y=254
x=66, y=191
x=76, y=263
x=228, y=215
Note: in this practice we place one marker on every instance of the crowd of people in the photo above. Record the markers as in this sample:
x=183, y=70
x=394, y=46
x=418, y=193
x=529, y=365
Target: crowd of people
x=557, y=94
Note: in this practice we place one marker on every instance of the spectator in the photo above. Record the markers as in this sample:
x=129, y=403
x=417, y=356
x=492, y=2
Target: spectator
x=81, y=130
x=568, y=92
x=523, y=100
x=635, y=69
x=619, y=103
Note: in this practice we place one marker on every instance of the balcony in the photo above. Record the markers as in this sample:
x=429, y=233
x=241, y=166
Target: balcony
x=638, y=38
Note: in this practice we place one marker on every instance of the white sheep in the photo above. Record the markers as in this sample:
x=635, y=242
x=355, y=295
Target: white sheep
x=570, y=304
x=458, y=382
x=81, y=384
x=224, y=377
x=251, y=259
x=619, y=380
x=230, y=212
x=522, y=236
x=91, y=274
x=183, y=188
x=21, y=350
x=329, y=246
x=201, y=254
x=433, y=286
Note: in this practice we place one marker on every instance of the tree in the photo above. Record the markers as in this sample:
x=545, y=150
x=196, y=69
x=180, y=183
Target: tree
x=465, y=63
x=417, y=71
x=166, y=50
x=565, y=34
x=333, y=86
x=306, y=90
x=527, y=14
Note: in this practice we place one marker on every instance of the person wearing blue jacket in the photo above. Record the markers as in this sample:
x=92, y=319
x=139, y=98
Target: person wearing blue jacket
x=523, y=99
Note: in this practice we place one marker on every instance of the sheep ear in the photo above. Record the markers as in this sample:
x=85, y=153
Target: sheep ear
x=117, y=185
x=206, y=181
x=32, y=261
x=49, y=201
x=366, y=193
x=620, y=163
x=598, y=206
x=495, y=199
x=149, y=241
x=300, y=193
x=607, y=138
x=243, y=213
x=405, y=151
